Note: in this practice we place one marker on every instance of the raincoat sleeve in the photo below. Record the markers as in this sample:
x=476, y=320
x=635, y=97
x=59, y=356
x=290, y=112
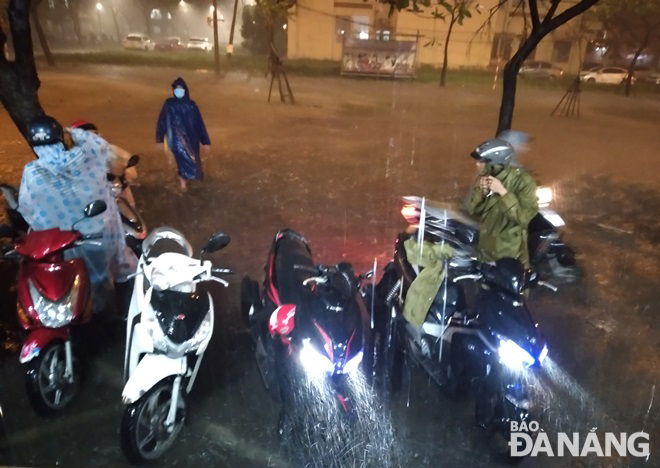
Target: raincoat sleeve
x=161, y=126
x=477, y=201
x=25, y=205
x=521, y=205
x=201, y=128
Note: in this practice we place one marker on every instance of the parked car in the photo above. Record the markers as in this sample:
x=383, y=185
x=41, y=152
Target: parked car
x=536, y=69
x=652, y=77
x=170, y=44
x=200, y=43
x=605, y=75
x=138, y=41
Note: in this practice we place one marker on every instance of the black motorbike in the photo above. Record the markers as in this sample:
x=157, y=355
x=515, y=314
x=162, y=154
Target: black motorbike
x=490, y=351
x=310, y=328
x=550, y=256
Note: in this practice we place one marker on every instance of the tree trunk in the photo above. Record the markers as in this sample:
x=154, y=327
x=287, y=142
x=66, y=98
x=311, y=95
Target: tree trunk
x=443, y=74
x=540, y=29
x=216, y=45
x=633, y=62
x=510, y=79
x=40, y=33
x=73, y=13
x=114, y=19
x=19, y=81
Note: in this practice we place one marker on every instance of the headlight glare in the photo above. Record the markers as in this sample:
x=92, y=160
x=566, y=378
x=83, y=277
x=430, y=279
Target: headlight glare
x=513, y=356
x=314, y=362
x=353, y=363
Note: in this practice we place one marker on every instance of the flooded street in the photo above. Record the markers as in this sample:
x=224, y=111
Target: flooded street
x=334, y=167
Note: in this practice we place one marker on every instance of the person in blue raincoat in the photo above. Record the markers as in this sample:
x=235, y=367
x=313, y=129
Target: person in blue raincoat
x=56, y=188
x=181, y=126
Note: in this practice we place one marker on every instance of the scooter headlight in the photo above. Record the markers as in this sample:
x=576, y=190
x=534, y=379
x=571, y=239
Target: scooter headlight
x=55, y=314
x=164, y=344
x=203, y=332
x=314, y=363
x=513, y=356
x=352, y=365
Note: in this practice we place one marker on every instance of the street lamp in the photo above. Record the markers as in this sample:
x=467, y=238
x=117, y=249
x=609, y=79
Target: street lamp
x=99, y=9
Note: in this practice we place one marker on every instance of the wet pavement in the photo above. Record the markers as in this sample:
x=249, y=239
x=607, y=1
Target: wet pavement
x=333, y=168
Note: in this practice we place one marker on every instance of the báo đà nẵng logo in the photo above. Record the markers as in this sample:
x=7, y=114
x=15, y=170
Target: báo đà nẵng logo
x=522, y=444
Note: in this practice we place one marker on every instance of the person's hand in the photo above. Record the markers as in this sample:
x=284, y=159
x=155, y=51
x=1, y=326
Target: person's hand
x=496, y=186
x=160, y=147
x=206, y=149
x=483, y=184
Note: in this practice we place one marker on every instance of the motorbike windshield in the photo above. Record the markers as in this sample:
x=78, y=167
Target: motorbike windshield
x=179, y=314
x=40, y=244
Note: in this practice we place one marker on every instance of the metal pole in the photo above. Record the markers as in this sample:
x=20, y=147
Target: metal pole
x=230, y=46
x=216, y=50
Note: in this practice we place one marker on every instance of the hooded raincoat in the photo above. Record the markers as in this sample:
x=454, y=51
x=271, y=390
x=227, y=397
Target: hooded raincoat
x=504, y=219
x=181, y=123
x=56, y=188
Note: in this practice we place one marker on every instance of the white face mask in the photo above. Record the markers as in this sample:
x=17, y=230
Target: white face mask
x=179, y=92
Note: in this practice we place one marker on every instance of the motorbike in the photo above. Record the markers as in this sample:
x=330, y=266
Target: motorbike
x=169, y=327
x=309, y=324
x=135, y=229
x=490, y=351
x=550, y=256
x=53, y=300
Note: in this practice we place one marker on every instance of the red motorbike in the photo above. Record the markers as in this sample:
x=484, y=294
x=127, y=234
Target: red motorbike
x=54, y=295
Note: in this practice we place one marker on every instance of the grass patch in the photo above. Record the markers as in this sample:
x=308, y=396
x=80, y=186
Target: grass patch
x=256, y=64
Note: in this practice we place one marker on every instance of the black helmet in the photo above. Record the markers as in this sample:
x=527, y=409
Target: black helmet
x=494, y=151
x=44, y=130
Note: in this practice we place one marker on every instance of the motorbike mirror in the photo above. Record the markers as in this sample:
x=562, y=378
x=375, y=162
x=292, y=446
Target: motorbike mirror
x=217, y=242
x=367, y=275
x=95, y=208
x=133, y=161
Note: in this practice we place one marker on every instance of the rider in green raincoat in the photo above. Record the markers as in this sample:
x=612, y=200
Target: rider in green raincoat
x=504, y=198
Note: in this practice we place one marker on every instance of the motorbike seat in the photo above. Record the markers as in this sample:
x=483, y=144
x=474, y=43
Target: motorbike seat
x=287, y=280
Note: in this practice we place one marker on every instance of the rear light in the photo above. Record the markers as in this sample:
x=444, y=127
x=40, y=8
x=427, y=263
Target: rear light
x=410, y=213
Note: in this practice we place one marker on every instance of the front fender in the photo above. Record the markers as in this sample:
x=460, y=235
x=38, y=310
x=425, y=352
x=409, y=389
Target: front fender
x=151, y=369
x=38, y=339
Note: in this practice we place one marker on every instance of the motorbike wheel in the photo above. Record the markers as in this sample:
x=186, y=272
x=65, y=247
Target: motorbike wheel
x=48, y=390
x=487, y=412
x=143, y=433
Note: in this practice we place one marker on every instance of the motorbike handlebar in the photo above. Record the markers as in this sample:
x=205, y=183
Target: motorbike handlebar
x=464, y=277
x=222, y=271
x=551, y=287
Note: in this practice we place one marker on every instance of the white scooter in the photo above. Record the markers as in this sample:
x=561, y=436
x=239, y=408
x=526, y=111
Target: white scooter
x=169, y=327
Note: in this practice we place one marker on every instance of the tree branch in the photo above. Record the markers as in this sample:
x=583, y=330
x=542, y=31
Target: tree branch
x=569, y=14
x=534, y=14
x=492, y=12
x=551, y=11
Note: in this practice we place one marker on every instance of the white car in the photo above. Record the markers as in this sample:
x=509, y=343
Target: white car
x=139, y=41
x=605, y=75
x=200, y=43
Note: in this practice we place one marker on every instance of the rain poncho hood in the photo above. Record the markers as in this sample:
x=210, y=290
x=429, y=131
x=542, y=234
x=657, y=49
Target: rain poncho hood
x=181, y=127
x=179, y=82
x=432, y=258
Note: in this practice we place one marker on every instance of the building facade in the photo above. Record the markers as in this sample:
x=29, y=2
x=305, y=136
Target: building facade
x=318, y=29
